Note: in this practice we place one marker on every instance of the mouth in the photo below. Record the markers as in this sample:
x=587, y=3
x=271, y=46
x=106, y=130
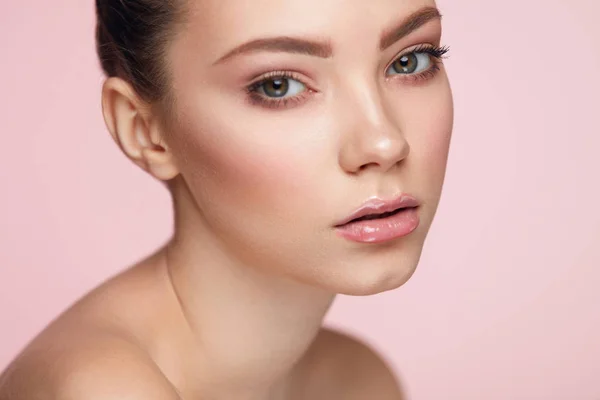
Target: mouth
x=378, y=220
x=377, y=216
x=376, y=208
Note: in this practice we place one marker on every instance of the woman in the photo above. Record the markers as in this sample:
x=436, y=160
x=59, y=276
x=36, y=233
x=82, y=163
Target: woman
x=305, y=144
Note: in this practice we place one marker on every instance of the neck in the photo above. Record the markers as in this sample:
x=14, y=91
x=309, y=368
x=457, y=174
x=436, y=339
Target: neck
x=250, y=326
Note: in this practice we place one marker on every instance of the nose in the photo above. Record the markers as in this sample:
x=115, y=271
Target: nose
x=373, y=140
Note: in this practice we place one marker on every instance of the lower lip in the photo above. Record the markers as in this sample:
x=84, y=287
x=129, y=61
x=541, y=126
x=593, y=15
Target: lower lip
x=381, y=230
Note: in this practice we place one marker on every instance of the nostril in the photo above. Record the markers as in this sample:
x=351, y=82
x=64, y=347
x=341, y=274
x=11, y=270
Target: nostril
x=379, y=165
x=365, y=166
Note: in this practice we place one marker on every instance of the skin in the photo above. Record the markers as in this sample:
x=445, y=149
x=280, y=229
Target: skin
x=232, y=306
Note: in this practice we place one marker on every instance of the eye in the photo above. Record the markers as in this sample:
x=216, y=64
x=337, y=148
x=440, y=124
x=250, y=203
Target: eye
x=411, y=63
x=279, y=87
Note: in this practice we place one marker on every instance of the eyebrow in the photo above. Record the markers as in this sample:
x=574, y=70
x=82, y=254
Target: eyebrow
x=408, y=25
x=323, y=49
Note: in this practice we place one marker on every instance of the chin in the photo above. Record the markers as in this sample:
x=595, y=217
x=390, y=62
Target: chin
x=386, y=268
x=377, y=274
x=380, y=284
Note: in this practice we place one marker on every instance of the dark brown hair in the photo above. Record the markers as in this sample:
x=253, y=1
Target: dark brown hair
x=131, y=39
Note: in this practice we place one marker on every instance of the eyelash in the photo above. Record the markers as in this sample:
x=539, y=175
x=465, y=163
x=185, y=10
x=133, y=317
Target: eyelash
x=437, y=53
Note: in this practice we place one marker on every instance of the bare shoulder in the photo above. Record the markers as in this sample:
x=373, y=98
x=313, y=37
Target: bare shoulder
x=345, y=367
x=95, y=349
x=100, y=366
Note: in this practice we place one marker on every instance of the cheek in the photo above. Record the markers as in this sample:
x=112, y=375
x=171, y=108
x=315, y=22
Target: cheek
x=252, y=168
x=428, y=126
x=430, y=138
x=252, y=183
x=436, y=145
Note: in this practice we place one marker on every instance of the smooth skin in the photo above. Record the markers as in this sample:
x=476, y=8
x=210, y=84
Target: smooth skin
x=232, y=306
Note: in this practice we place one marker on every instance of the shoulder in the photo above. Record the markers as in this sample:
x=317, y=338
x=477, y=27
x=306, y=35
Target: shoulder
x=350, y=368
x=100, y=367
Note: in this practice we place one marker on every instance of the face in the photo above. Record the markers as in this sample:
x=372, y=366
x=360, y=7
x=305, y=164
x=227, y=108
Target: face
x=279, y=141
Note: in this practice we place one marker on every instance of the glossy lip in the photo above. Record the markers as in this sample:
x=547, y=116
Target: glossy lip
x=376, y=205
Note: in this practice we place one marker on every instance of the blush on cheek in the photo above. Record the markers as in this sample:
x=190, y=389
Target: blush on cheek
x=438, y=132
x=256, y=170
x=438, y=143
x=430, y=135
x=239, y=171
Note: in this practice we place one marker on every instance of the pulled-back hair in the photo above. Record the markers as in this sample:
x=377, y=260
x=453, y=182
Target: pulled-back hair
x=131, y=40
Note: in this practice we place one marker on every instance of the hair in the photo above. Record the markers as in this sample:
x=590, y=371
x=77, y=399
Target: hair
x=131, y=40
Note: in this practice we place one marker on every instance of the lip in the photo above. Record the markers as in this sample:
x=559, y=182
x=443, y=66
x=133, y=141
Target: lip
x=376, y=205
x=385, y=228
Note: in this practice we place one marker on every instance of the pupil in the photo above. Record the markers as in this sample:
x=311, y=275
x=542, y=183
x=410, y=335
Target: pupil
x=406, y=64
x=276, y=87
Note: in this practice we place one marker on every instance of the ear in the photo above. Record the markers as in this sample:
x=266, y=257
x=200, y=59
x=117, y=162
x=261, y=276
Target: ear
x=136, y=130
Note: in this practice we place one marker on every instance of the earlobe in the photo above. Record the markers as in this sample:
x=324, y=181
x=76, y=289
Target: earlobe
x=134, y=129
x=159, y=163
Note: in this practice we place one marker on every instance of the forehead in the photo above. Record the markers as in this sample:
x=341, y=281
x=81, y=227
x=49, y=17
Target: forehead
x=217, y=25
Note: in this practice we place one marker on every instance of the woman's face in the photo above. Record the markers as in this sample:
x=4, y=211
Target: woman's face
x=332, y=103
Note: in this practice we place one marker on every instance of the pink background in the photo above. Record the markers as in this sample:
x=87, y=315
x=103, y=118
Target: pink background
x=505, y=303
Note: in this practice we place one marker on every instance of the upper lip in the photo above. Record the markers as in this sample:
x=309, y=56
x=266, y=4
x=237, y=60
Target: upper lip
x=377, y=205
